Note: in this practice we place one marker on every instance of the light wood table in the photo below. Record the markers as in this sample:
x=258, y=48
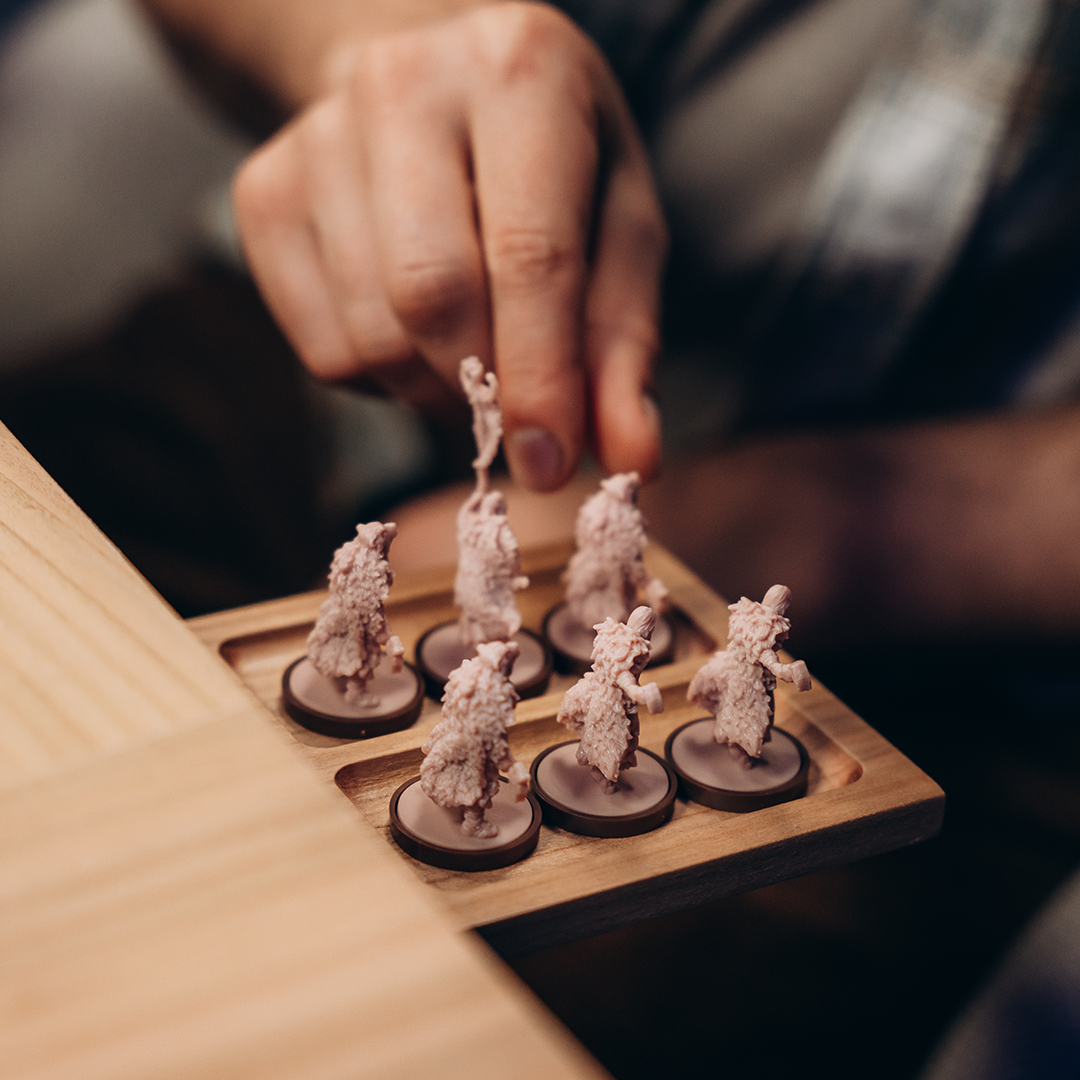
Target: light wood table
x=180, y=896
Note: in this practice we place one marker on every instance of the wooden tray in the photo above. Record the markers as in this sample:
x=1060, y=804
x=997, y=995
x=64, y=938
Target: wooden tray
x=864, y=796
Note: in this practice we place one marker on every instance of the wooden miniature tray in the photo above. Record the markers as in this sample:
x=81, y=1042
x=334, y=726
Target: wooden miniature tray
x=864, y=796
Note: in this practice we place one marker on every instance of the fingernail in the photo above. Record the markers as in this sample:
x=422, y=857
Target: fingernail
x=536, y=458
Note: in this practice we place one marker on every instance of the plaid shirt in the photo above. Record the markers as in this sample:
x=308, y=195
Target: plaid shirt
x=936, y=265
x=937, y=260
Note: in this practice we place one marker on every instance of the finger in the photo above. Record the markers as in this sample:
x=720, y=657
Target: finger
x=535, y=164
x=273, y=195
x=336, y=193
x=422, y=206
x=623, y=312
x=379, y=348
x=283, y=257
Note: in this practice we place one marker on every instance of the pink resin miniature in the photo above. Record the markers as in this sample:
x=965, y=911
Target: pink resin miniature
x=603, y=705
x=347, y=642
x=488, y=572
x=606, y=572
x=467, y=748
x=489, y=563
x=483, y=394
x=737, y=683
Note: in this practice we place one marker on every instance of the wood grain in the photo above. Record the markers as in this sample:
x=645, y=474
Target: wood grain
x=864, y=796
x=179, y=894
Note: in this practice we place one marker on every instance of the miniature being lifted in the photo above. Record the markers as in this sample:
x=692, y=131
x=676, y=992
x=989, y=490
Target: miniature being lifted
x=489, y=562
x=603, y=705
x=347, y=642
x=468, y=747
x=737, y=683
x=606, y=571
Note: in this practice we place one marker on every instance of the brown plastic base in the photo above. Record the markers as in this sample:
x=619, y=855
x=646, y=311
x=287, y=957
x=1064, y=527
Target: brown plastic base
x=573, y=800
x=432, y=833
x=316, y=703
x=440, y=651
x=710, y=775
x=571, y=643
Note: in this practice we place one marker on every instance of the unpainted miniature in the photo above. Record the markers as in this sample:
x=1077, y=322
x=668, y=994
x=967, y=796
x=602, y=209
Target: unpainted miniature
x=736, y=685
x=483, y=394
x=488, y=572
x=603, y=706
x=348, y=639
x=489, y=563
x=468, y=747
x=606, y=572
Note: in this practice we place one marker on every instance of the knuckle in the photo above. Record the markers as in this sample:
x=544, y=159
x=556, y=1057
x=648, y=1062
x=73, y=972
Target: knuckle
x=390, y=67
x=328, y=360
x=426, y=294
x=379, y=68
x=354, y=354
x=264, y=188
x=525, y=257
x=520, y=33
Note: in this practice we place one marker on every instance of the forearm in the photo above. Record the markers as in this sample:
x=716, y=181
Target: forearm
x=290, y=48
x=949, y=527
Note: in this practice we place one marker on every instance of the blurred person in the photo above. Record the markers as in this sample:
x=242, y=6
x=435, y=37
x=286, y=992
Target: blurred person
x=871, y=220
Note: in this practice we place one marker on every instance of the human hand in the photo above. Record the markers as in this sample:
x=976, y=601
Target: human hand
x=476, y=185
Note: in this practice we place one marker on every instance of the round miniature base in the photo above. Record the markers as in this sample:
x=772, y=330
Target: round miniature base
x=317, y=703
x=440, y=651
x=432, y=833
x=573, y=800
x=572, y=644
x=709, y=774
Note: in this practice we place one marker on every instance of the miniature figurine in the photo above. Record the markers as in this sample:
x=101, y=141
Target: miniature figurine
x=737, y=683
x=346, y=644
x=603, y=705
x=483, y=394
x=468, y=746
x=606, y=571
x=489, y=570
x=489, y=564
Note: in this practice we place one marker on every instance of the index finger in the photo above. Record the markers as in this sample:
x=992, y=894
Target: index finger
x=535, y=162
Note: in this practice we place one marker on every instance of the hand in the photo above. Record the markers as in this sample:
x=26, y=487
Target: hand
x=654, y=700
x=396, y=651
x=519, y=777
x=473, y=186
x=800, y=675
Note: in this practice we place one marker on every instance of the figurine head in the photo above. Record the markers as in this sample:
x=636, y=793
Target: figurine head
x=377, y=535
x=760, y=626
x=493, y=504
x=778, y=598
x=623, y=486
x=471, y=371
x=622, y=647
x=499, y=655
